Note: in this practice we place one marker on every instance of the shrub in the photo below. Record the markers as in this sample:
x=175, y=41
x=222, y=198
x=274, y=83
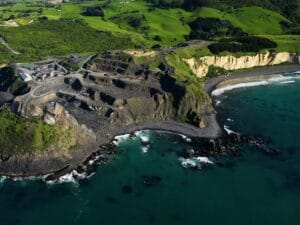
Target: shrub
x=157, y=38
x=214, y=71
x=93, y=11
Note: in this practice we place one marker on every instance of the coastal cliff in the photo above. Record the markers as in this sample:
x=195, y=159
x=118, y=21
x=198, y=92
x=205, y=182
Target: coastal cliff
x=66, y=117
x=200, y=66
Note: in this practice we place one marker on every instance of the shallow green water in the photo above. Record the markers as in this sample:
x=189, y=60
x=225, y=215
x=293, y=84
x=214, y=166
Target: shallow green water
x=253, y=189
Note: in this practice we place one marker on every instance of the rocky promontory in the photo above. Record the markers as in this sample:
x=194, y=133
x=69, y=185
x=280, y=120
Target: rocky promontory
x=54, y=120
x=109, y=95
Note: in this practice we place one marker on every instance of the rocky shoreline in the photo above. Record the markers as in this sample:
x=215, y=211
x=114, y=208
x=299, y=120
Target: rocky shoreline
x=214, y=138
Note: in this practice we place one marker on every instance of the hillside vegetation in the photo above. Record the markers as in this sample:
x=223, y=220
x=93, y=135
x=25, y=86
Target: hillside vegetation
x=52, y=38
x=20, y=135
x=253, y=20
x=89, y=26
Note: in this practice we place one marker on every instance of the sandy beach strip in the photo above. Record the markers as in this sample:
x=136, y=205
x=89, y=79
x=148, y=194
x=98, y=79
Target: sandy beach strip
x=211, y=84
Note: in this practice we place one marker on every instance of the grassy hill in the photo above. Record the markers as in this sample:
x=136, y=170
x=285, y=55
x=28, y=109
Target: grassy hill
x=133, y=24
x=253, y=20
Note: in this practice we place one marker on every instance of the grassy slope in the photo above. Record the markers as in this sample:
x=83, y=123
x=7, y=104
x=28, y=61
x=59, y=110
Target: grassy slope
x=21, y=135
x=165, y=23
x=5, y=55
x=51, y=38
x=253, y=20
x=290, y=43
x=170, y=25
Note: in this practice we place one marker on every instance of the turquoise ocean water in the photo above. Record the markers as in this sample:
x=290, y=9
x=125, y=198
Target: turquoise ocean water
x=253, y=188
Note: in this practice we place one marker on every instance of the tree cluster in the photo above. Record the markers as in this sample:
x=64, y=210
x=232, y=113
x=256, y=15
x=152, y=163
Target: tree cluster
x=209, y=28
x=242, y=44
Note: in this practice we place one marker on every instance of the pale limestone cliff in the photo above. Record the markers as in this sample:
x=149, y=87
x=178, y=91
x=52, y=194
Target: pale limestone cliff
x=200, y=65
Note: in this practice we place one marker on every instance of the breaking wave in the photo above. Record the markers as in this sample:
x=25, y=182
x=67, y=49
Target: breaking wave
x=119, y=139
x=220, y=91
x=22, y=179
x=228, y=131
x=144, y=135
x=2, y=179
x=72, y=177
x=218, y=102
x=195, y=162
x=287, y=82
x=281, y=79
x=187, y=139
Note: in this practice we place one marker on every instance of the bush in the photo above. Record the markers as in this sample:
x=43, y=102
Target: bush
x=214, y=71
x=93, y=11
x=135, y=21
x=157, y=38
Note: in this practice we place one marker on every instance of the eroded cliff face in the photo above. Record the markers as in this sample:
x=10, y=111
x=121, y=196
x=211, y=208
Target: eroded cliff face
x=140, y=109
x=55, y=114
x=195, y=109
x=201, y=65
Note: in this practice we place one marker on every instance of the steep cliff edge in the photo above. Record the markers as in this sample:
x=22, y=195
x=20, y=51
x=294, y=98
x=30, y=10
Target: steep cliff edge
x=200, y=65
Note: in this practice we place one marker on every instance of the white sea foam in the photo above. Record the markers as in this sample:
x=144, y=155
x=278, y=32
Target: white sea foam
x=228, y=131
x=120, y=138
x=218, y=102
x=187, y=139
x=92, y=161
x=220, y=91
x=188, y=163
x=71, y=177
x=279, y=78
x=79, y=176
x=30, y=178
x=144, y=135
x=195, y=162
x=68, y=178
x=230, y=120
x=23, y=179
x=276, y=79
x=145, y=149
x=297, y=72
x=204, y=160
x=288, y=82
x=92, y=174
x=2, y=179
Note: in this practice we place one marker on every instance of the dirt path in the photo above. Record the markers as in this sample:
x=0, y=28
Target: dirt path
x=6, y=45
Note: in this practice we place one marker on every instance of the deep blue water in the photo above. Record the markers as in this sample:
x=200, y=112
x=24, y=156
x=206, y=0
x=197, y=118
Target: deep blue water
x=255, y=188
